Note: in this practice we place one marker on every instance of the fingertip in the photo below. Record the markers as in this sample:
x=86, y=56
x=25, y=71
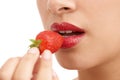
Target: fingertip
x=47, y=55
x=47, y=51
x=33, y=50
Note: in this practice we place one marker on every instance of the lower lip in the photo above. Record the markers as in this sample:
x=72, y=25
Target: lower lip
x=71, y=41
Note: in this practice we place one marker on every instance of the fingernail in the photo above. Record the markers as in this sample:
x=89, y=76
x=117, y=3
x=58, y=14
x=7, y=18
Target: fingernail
x=33, y=50
x=46, y=55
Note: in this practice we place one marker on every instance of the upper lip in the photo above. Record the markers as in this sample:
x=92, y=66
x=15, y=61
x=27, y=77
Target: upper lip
x=65, y=28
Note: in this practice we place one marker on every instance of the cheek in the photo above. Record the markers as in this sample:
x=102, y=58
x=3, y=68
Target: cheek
x=104, y=31
x=42, y=7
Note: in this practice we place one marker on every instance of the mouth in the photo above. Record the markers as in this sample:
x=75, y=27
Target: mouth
x=71, y=33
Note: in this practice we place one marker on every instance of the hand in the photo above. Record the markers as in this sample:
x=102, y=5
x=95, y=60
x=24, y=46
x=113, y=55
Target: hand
x=29, y=67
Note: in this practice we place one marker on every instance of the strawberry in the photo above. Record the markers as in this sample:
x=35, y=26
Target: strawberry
x=47, y=40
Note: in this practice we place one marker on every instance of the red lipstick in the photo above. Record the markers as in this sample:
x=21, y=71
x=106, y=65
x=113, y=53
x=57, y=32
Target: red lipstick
x=71, y=33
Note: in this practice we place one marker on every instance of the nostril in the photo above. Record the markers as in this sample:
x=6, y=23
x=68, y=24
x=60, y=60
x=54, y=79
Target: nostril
x=64, y=8
x=60, y=6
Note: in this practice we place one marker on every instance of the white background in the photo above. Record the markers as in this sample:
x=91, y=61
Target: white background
x=19, y=22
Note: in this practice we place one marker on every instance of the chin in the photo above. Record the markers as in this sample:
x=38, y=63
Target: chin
x=75, y=61
x=72, y=62
x=74, y=65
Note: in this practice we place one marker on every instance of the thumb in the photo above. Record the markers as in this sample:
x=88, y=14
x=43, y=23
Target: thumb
x=54, y=76
x=45, y=67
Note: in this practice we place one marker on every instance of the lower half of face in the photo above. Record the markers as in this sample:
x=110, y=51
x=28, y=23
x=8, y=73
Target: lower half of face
x=101, y=42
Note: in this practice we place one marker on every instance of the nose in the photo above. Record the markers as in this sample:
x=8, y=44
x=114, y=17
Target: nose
x=61, y=6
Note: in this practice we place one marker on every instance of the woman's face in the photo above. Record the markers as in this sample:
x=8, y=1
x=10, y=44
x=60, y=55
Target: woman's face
x=100, y=20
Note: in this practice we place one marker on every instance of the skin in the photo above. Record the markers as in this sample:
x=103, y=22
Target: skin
x=29, y=67
x=96, y=56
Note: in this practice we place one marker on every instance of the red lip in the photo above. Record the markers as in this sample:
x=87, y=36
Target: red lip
x=71, y=33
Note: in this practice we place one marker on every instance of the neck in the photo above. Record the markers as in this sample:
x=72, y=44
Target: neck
x=107, y=71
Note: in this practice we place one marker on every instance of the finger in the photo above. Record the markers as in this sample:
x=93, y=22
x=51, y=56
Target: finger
x=37, y=65
x=54, y=76
x=26, y=65
x=7, y=70
x=36, y=68
x=45, y=68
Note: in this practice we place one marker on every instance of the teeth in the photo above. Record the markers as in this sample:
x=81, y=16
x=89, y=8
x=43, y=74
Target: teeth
x=63, y=32
x=68, y=31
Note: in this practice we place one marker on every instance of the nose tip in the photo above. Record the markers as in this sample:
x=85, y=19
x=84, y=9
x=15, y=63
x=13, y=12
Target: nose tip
x=60, y=6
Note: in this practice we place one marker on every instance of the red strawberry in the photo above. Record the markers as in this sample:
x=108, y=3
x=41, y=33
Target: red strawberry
x=47, y=40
